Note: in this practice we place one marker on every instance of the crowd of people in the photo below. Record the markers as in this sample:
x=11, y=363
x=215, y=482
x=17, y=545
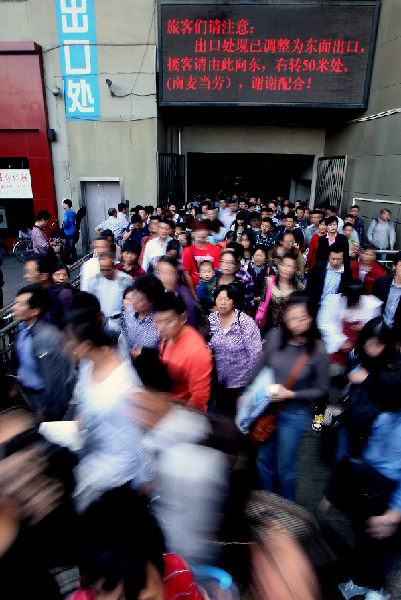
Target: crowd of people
x=202, y=345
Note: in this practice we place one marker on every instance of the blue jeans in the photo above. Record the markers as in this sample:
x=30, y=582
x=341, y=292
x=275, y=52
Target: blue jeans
x=277, y=459
x=71, y=255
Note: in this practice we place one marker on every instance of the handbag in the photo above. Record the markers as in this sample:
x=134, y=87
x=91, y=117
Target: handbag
x=266, y=424
x=358, y=489
x=261, y=313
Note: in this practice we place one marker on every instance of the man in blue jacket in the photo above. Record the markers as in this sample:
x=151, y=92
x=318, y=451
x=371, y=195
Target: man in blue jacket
x=69, y=231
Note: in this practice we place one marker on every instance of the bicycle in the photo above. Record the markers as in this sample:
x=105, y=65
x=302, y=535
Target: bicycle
x=23, y=249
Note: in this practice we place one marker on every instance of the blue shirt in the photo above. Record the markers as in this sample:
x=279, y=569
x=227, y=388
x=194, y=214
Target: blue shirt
x=28, y=371
x=393, y=299
x=383, y=451
x=331, y=282
x=69, y=222
x=138, y=234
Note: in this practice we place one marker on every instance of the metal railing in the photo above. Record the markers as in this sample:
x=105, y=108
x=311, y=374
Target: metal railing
x=8, y=324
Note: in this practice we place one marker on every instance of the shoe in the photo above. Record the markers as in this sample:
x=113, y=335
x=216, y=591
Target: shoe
x=377, y=595
x=317, y=423
x=350, y=589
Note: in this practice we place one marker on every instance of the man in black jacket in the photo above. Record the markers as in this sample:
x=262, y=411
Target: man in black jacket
x=330, y=276
x=333, y=237
x=44, y=373
x=388, y=290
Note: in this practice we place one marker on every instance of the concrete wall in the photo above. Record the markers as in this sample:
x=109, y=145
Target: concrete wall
x=373, y=147
x=253, y=139
x=123, y=143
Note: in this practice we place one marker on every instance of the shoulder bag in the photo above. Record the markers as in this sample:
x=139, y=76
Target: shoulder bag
x=266, y=424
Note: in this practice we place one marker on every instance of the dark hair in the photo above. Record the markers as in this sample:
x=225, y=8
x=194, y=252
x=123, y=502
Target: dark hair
x=236, y=249
x=112, y=211
x=230, y=235
x=348, y=224
x=232, y=293
x=85, y=301
x=301, y=207
x=332, y=208
x=121, y=550
x=206, y=203
x=121, y=206
x=44, y=263
x=281, y=259
x=136, y=218
x=290, y=215
x=368, y=247
x=131, y=246
x=397, y=258
x=68, y=202
x=170, y=260
x=355, y=206
x=149, y=209
x=240, y=216
x=154, y=218
x=337, y=248
x=85, y=326
x=255, y=217
x=353, y=292
x=128, y=290
x=139, y=207
x=188, y=237
x=169, y=301
x=268, y=220
x=206, y=262
x=323, y=220
x=215, y=225
x=42, y=214
x=302, y=299
x=58, y=266
x=249, y=234
x=203, y=224
x=375, y=328
x=168, y=221
x=261, y=247
x=103, y=238
x=150, y=286
x=40, y=297
x=173, y=245
x=330, y=220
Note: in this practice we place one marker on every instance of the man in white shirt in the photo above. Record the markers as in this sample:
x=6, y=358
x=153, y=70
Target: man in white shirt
x=122, y=213
x=108, y=286
x=156, y=248
x=228, y=218
x=90, y=268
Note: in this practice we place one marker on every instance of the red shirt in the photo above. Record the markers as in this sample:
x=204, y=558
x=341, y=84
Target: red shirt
x=192, y=256
x=189, y=365
x=178, y=582
x=134, y=272
x=370, y=277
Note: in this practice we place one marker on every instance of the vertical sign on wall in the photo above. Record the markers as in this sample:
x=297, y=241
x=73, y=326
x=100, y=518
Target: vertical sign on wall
x=78, y=58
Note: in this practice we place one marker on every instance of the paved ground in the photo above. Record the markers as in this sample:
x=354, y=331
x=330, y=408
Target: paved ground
x=13, y=279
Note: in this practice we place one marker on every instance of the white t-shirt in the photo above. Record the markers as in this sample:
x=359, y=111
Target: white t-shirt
x=90, y=268
x=109, y=296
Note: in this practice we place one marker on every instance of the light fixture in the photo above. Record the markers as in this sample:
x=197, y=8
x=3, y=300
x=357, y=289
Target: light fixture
x=56, y=90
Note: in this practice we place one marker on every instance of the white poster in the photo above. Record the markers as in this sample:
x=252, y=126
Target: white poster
x=15, y=183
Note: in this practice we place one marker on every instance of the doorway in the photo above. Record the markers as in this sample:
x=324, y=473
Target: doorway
x=98, y=195
x=268, y=175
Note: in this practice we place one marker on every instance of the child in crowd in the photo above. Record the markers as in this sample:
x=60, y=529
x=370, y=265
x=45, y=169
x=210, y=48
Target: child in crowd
x=130, y=254
x=353, y=243
x=207, y=283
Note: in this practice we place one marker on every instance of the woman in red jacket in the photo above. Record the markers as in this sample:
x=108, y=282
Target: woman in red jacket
x=314, y=244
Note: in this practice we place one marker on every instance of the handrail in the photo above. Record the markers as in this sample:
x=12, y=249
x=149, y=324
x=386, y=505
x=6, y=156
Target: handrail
x=7, y=315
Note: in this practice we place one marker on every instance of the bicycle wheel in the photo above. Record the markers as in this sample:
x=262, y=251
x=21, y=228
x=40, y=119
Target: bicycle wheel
x=20, y=251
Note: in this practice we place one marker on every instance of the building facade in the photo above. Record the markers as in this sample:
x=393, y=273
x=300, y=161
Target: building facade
x=79, y=108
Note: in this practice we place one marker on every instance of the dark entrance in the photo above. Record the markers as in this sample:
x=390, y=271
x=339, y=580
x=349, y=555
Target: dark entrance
x=289, y=175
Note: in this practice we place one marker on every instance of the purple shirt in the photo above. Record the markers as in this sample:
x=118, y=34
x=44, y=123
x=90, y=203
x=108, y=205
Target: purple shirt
x=40, y=241
x=237, y=351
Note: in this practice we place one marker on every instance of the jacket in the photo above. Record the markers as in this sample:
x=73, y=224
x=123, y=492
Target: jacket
x=381, y=289
x=57, y=371
x=375, y=272
x=317, y=277
x=323, y=248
